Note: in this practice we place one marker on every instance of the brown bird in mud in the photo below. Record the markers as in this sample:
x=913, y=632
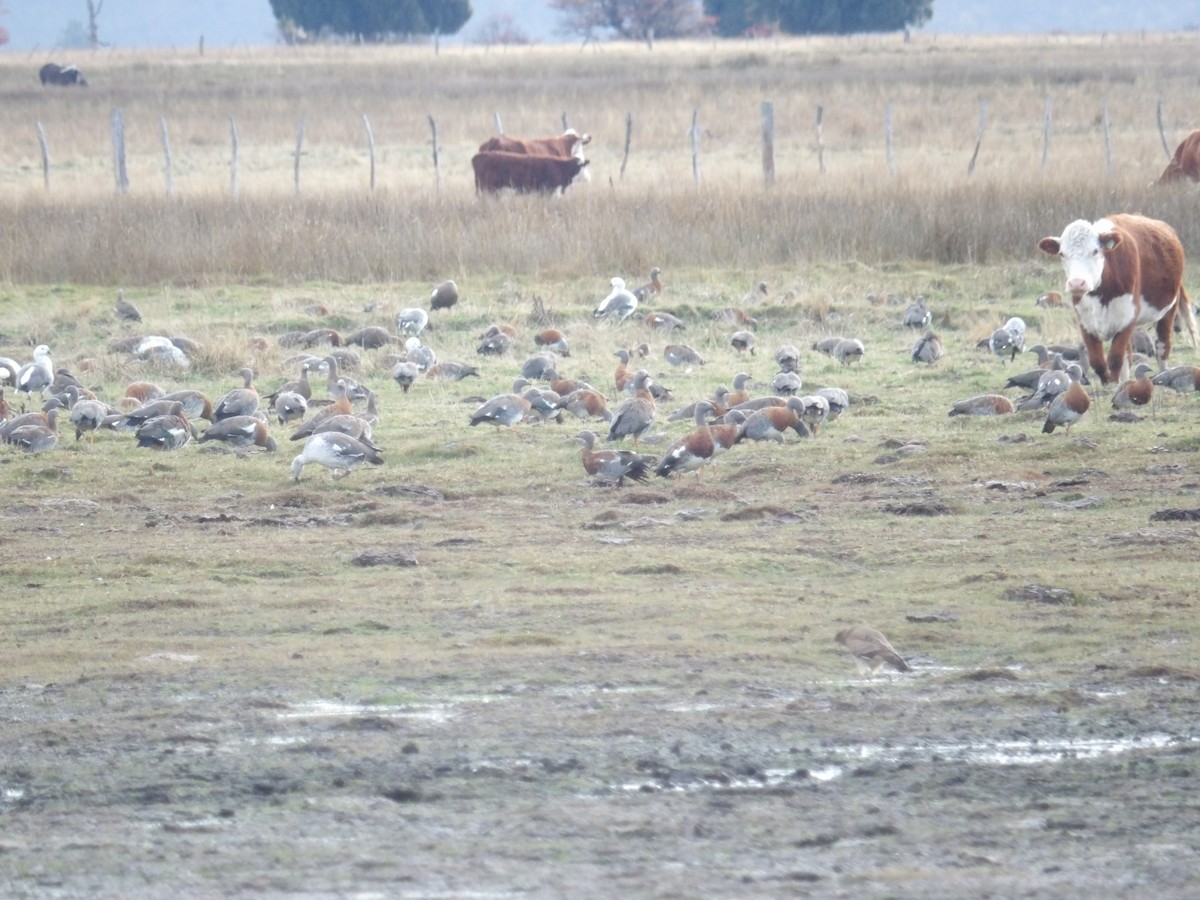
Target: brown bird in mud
x=871, y=650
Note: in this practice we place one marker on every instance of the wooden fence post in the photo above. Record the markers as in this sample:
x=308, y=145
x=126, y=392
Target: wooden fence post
x=628, y=139
x=1046, y=132
x=437, y=162
x=166, y=145
x=118, y=137
x=979, y=139
x=499, y=124
x=45, y=155
x=233, y=159
x=887, y=128
x=370, y=147
x=820, y=140
x=1108, y=148
x=566, y=127
x=299, y=144
x=694, y=131
x=768, y=141
x=1162, y=134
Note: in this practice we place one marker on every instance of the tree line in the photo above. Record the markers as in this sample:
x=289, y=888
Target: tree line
x=642, y=20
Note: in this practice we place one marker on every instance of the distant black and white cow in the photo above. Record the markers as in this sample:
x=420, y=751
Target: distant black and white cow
x=53, y=73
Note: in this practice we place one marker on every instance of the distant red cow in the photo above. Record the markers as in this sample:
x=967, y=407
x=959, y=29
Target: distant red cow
x=1185, y=163
x=496, y=170
x=1122, y=271
x=569, y=143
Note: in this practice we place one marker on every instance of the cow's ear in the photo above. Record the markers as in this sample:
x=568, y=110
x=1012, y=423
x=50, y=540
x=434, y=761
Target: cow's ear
x=1110, y=241
x=1049, y=245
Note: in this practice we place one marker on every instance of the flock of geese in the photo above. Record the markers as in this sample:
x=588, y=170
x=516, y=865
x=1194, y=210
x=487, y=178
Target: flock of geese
x=339, y=437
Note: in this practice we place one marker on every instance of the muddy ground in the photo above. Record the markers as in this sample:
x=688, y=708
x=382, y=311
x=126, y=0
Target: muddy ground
x=556, y=772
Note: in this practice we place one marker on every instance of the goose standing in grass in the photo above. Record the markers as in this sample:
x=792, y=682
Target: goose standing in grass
x=419, y=353
x=1138, y=391
x=682, y=355
x=756, y=295
x=771, y=422
x=636, y=414
x=693, y=451
x=786, y=384
x=983, y=405
x=1067, y=408
x=917, y=315
x=339, y=407
x=37, y=375
x=838, y=400
x=553, y=340
x=848, y=350
x=787, y=357
x=650, y=288
x=88, y=414
x=241, y=401
x=337, y=452
x=742, y=342
x=404, y=373
x=196, y=404
x=1008, y=340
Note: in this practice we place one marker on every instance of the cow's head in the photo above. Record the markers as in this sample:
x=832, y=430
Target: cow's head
x=1082, y=249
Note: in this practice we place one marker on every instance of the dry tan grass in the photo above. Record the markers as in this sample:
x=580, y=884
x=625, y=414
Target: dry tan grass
x=930, y=210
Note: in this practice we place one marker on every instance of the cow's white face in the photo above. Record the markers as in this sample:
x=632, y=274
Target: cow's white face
x=1082, y=248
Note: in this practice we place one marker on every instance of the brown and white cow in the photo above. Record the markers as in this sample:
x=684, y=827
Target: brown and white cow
x=1122, y=271
x=496, y=170
x=569, y=143
x=1185, y=163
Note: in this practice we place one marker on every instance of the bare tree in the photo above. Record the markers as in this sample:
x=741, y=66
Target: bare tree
x=93, y=8
x=639, y=20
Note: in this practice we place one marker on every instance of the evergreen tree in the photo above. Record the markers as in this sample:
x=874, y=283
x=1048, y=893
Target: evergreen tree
x=819, y=16
x=374, y=19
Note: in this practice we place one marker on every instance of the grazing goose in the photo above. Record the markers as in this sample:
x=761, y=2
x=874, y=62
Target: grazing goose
x=133, y=419
x=411, y=321
x=335, y=451
x=537, y=366
x=928, y=349
x=1052, y=383
x=404, y=373
x=693, y=451
x=870, y=649
x=87, y=415
x=162, y=352
x=620, y=304
x=739, y=394
x=787, y=357
x=585, y=402
x=339, y=407
x=786, y=384
x=742, y=342
x=419, y=353
x=370, y=337
x=240, y=432
x=451, y=371
x=196, y=404
x=983, y=405
x=848, y=350
x=816, y=411
x=1182, y=379
x=838, y=399
x=635, y=415
x=1138, y=391
x=622, y=377
x=826, y=345
x=290, y=406
x=771, y=422
x=496, y=343
x=682, y=355
x=917, y=315
x=553, y=340
x=126, y=310
x=661, y=321
x=444, y=296
x=732, y=315
x=35, y=437
x=166, y=432
x=300, y=385
x=143, y=392
x=612, y=467
x=502, y=410
x=241, y=401
x=1008, y=340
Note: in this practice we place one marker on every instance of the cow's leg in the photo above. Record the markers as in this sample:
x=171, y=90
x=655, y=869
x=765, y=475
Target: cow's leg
x=1118, y=354
x=1165, y=329
x=1095, y=354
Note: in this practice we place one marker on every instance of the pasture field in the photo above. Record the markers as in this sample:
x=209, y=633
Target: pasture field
x=471, y=671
